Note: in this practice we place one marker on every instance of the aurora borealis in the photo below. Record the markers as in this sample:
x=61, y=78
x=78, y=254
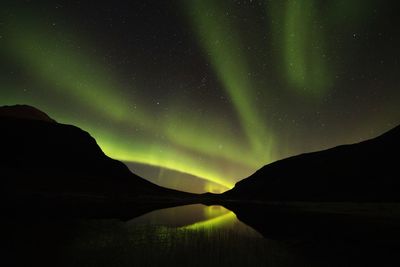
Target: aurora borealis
x=198, y=94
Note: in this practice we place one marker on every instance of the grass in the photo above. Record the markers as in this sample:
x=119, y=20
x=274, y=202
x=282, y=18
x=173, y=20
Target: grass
x=33, y=242
x=152, y=245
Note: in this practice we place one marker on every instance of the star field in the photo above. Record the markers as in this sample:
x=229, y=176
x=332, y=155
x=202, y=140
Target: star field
x=199, y=94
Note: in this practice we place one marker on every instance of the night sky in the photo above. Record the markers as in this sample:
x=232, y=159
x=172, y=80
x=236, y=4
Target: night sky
x=198, y=94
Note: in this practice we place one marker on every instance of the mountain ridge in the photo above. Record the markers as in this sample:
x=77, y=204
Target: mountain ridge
x=45, y=161
x=24, y=112
x=352, y=172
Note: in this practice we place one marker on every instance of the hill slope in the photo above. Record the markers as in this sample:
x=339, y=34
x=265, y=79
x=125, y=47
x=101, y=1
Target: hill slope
x=367, y=171
x=41, y=158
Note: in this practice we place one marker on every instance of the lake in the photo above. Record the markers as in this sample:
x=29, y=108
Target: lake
x=191, y=235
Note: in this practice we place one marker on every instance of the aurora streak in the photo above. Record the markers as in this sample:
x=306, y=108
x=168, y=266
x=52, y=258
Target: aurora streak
x=208, y=90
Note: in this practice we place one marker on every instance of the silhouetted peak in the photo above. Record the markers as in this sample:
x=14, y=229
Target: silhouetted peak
x=24, y=112
x=394, y=132
x=366, y=171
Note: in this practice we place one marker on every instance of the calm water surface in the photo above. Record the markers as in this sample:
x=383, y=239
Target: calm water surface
x=196, y=217
x=192, y=235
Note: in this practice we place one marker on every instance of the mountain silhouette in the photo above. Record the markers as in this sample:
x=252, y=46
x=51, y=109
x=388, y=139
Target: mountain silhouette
x=24, y=112
x=366, y=171
x=45, y=164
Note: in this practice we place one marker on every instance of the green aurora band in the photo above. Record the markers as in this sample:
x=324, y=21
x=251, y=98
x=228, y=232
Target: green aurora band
x=70, y=74
x=58, y=69
x=222, y=45
x=304, y=49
